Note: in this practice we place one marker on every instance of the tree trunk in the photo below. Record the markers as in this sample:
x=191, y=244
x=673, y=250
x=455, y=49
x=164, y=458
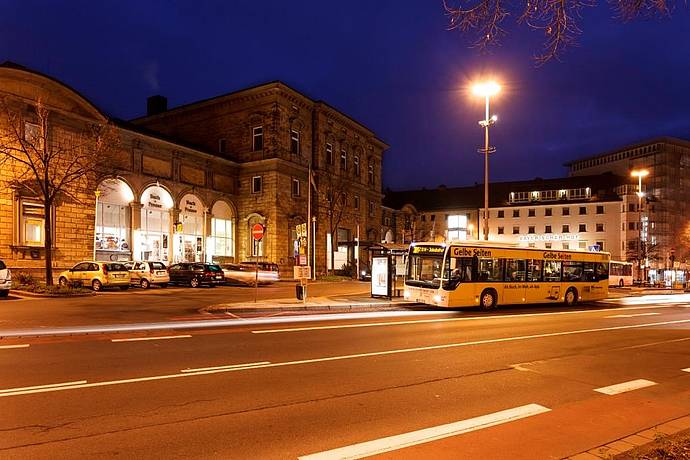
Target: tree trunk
x=48, y=246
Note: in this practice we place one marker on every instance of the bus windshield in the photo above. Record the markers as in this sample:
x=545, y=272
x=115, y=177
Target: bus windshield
x=424, y=266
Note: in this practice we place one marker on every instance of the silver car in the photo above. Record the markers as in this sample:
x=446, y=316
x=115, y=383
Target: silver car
x=146, y=273
x=5, y=279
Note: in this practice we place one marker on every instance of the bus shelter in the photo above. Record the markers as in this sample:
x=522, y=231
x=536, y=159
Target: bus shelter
x=387, y=269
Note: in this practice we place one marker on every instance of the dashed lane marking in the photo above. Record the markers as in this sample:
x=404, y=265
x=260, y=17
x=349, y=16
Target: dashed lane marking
x=7, y=347
x=634, y=315
x=412, y=438
x=163, y=337
x=687, y=369
x=625, y=387
x=229, y=366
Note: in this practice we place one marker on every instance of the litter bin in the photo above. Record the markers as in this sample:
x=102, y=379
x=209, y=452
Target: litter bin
x=300, y=292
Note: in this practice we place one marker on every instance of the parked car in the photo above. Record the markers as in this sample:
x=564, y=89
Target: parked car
x=268, y=271
x=97, y=275
x=146, y=273
x=196, y=274
x=5, y=279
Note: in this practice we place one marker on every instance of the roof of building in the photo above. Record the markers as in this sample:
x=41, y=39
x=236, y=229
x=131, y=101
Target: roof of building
x=655, y=140
x=273, y=83
x=472, y=197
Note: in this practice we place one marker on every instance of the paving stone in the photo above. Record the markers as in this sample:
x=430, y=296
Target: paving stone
x=620, y=446
x=585, y=456
x=637, y=440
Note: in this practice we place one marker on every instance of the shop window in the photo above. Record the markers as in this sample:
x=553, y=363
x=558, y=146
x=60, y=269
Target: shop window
x=32, y=223
x=223, y=238
x=257, y=138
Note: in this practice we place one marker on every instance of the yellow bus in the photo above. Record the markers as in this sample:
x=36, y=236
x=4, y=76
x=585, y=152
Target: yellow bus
x=488, y=274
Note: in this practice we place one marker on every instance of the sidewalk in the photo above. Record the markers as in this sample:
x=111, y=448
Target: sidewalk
x=323, y=303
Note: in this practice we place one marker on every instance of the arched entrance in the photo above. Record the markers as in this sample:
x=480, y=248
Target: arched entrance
x=113, y=220
x=221, y=248
x=154, y=237
x=189, y=239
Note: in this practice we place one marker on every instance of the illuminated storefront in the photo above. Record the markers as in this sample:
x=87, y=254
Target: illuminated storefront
x=189, y=242
x=221, y=245
x=154, y=235
x=113, y=220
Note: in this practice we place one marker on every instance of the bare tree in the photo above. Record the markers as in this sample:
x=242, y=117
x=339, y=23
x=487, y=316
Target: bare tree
x=642, y=252
x=52, y=159
x=557, y=19
x=333, y=189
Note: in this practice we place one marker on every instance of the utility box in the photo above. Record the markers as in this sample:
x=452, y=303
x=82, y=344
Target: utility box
x=301, y=291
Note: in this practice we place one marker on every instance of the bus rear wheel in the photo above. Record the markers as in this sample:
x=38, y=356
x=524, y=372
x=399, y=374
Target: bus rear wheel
x=570, y=297
x=487, y=301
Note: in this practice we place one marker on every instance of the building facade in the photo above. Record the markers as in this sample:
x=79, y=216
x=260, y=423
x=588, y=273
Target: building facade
x=187, y=184
x=656, y=228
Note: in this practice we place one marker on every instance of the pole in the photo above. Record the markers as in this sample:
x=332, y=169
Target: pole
x=95, y=222
x=358, y=250
x=486, y=172
x=639, y=210
x=308, y=217
x=313, y=254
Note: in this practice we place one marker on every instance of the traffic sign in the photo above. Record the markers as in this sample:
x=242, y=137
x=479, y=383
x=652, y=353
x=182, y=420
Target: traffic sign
x=302, y=272
x=258, y=231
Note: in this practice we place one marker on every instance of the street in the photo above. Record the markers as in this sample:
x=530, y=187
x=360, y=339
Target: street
x=527, y=382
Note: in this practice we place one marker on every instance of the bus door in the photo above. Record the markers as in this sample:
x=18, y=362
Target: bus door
x=514, y=282
x=535, y=291
x=552, y=279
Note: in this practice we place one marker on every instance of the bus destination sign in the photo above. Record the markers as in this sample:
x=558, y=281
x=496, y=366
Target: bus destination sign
x=428, y=249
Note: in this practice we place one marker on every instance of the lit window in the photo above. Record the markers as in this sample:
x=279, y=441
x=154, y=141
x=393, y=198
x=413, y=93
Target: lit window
x=257, y=138
x=294, y=142
x=32, y=223
x=343, y=160
x=257, y=184
x=457, y=227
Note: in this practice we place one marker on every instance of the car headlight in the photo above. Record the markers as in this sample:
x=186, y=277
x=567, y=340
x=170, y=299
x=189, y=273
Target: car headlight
x=364, y=273
x=406, y=295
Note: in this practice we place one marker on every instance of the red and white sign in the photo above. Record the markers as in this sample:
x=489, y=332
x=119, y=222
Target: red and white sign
x=258, y=232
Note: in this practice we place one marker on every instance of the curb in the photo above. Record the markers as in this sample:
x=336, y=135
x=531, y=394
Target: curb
x=49, y=296
x=641, y=438
x=300, y=308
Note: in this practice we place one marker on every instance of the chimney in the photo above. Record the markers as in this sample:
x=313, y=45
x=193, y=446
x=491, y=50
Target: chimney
x=156, y=104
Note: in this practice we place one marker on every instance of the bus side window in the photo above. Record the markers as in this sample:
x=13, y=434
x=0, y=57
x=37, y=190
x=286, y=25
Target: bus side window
x=534, y=270
x=515, y=270
x=602, y=272
x=552, y=270
x=589, y=272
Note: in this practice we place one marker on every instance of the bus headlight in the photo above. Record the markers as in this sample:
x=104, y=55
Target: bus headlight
x=406, y=294
x=437, y=298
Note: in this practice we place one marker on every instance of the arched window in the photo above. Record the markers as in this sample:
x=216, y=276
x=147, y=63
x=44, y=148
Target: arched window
x=189, y=242
x=113, y=220
x=154, y=241
x=222, y=247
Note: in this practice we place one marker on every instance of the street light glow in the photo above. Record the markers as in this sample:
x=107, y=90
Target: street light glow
x=484, y=89
x=639, y=173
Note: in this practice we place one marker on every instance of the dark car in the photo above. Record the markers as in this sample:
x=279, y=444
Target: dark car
x=196, y=274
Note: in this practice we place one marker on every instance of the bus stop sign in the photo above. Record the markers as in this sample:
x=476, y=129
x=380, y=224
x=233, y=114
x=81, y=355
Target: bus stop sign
x=258, y=232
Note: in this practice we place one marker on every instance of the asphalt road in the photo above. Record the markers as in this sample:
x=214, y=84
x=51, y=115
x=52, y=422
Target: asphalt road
x=154, y=304
x=520, y=383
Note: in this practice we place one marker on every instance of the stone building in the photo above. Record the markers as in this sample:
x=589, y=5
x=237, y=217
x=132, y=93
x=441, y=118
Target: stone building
x=188, y=183
x=273, y=133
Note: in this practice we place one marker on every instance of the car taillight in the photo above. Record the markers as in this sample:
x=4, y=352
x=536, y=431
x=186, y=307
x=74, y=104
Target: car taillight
x=208, y=273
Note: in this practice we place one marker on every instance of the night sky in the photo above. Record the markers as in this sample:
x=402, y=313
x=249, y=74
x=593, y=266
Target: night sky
x=390, y=64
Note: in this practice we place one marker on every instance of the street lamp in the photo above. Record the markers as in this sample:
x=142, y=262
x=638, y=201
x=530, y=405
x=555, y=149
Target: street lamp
x=640, y=173
x=486, y=90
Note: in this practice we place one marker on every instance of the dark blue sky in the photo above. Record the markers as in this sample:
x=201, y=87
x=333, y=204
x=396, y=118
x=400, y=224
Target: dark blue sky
x=390, y=64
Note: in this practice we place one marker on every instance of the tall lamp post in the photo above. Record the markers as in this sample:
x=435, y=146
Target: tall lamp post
x=640, y=173
x=486, y=90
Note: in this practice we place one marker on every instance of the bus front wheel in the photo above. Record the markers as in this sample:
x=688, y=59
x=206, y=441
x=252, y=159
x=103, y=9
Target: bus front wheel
x=487, y=301
x=570, y=297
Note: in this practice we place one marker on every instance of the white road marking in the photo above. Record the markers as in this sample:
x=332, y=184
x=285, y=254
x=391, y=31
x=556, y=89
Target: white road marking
x=625, y=386
x=633, y=315
x=442, y=320
x=162, y=337
x=6, y=347
x=344, y=357
x=37, y=387
x=400, y=441
x=687, y=369
x=229, y=366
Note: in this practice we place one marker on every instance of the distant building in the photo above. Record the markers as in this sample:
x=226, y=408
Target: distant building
x=665, y=213
x=569, y=213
